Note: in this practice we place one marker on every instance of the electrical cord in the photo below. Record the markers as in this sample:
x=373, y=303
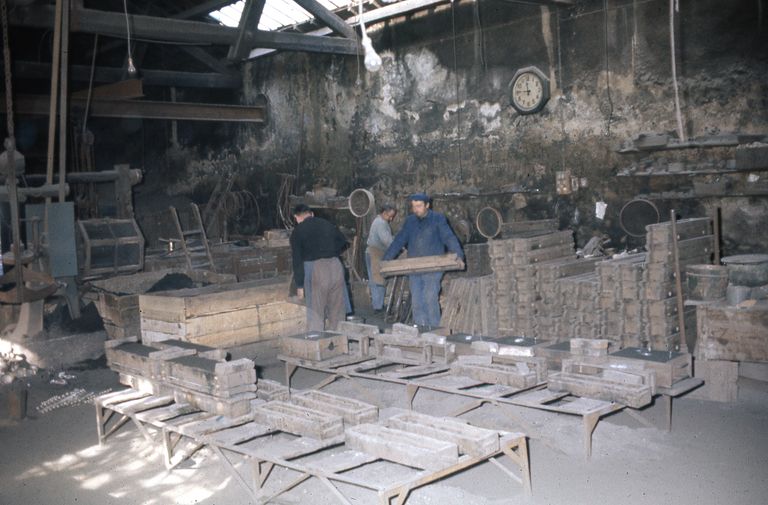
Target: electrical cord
x=131, y=66
x=675, y=6
x=607, y=68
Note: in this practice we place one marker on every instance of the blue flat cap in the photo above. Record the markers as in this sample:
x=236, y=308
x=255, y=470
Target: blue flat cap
x=419, y=197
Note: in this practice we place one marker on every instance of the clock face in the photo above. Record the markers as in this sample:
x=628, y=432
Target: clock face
x=529, y=90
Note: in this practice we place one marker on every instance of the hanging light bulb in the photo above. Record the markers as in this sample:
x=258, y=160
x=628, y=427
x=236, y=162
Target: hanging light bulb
x=132, y=72
x=372, y=59
x=130, y=68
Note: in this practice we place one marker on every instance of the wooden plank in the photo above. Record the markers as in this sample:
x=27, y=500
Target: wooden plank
x=692, y=247
x=402, y=447
x=438, y=263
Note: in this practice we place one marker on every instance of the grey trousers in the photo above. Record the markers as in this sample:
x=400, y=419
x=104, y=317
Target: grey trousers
x=325, y=296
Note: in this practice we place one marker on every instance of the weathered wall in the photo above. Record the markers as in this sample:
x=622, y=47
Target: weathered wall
x=437, y=117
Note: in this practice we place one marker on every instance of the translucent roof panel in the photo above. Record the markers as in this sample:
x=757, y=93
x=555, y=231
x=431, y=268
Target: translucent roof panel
x=277, y=14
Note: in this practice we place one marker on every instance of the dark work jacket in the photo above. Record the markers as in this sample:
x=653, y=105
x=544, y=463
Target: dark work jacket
x=428, y=236
x=314, y=239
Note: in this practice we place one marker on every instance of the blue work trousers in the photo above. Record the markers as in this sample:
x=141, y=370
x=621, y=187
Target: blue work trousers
x=378, y=291
x=425, y=298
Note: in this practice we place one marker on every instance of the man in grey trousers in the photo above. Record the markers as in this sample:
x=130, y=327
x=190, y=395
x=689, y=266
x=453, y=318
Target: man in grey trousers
x=316, y=245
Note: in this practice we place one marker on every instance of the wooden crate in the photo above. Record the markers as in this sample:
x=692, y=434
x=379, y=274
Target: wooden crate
x=222, y=316
x=118, y=302
x=732, y=333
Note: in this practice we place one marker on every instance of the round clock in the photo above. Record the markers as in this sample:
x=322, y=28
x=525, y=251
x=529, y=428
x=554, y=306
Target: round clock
x=529, y=90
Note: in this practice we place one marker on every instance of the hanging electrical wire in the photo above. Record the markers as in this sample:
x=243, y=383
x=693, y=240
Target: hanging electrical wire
x=607, y=69
x=673, y=7
x=131, y=67
x=90, y=83
x=458, y=103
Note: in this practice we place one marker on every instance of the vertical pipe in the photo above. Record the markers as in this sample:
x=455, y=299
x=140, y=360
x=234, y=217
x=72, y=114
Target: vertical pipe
x=63, y=103
x=53, y=108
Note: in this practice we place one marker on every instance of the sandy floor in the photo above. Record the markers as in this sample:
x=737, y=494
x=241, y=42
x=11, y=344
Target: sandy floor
x=717, y=453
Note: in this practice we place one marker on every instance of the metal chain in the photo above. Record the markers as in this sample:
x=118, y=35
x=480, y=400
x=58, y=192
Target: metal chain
x=7, y=64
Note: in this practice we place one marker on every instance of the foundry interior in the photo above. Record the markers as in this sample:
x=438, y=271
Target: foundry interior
x=384, y=252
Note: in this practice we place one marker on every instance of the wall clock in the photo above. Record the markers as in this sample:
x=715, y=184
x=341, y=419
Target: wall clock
x=529, y=90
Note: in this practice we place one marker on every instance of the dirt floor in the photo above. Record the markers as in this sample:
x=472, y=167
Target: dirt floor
x=716, y=453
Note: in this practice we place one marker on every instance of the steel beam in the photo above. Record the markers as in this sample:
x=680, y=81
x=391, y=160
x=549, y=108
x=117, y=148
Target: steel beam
x=177, y=30
x=36, y=70
x=329, y=18
x=144, y=109
x=113, y=24
x=303, y=42
x=249, y=23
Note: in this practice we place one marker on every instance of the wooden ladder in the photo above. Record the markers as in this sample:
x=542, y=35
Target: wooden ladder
x=194, y=242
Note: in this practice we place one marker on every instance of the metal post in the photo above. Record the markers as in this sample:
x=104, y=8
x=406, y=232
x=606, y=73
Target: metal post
x=63, y=102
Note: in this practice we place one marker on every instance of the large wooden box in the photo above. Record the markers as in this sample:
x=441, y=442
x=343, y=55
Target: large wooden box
x=222, y=316
x=731, y=333
x=118, y=302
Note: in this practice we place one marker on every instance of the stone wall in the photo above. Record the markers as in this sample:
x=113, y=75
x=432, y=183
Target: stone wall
x=438, y=118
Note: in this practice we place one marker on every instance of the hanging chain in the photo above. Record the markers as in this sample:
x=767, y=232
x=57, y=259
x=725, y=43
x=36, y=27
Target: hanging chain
x=7, y=65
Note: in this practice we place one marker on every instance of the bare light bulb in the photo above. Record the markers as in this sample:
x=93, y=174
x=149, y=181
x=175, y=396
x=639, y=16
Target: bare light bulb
x=132, y=72
x=372, y=59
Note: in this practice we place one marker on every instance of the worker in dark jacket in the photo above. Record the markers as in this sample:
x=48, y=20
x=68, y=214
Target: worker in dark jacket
x=424, y=233
x=316, y=245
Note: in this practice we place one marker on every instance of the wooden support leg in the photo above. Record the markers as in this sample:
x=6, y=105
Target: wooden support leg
x=590, y=422
x=410, y=391
x=668, y=408
x=290, y=369
x=517, y=451
x=168, y=447
x=100, y=422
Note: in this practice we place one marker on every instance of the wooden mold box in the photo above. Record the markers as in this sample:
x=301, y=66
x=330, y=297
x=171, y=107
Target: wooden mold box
x=314, y=345
x=602, y=381
x=222, y=316
x=670, y=367
x=118, y=302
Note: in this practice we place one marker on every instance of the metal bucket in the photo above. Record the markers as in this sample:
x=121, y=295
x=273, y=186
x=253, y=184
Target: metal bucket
x=706, y=282
x=747, y=269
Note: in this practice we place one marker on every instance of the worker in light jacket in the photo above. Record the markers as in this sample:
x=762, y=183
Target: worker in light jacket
x=424, y=233
x=316, y=245
x=379, y=239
